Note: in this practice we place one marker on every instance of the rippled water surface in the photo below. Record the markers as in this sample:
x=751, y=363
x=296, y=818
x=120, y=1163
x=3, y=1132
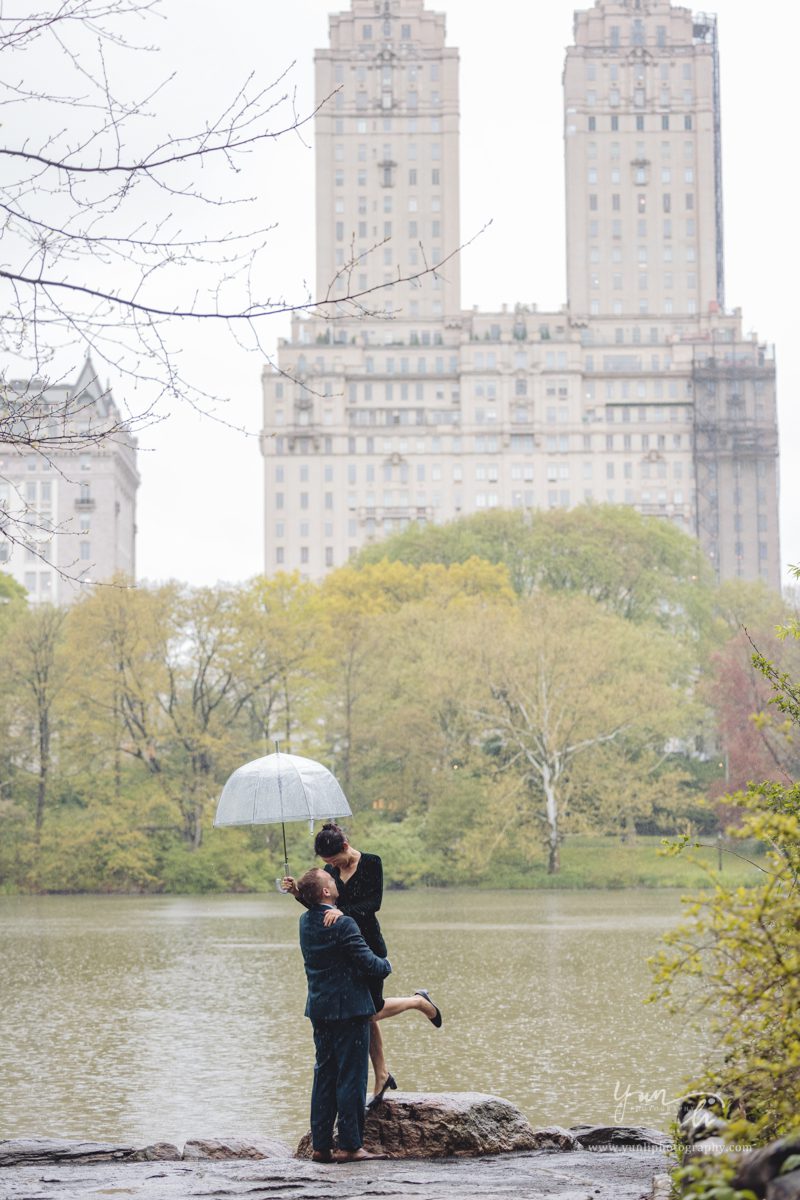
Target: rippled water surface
x=170, y=1017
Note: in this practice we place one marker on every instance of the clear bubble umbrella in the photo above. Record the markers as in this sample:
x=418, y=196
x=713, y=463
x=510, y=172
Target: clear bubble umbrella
x=280, y=788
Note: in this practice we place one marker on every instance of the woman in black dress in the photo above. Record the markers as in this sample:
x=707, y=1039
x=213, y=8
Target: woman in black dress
x=359, y=879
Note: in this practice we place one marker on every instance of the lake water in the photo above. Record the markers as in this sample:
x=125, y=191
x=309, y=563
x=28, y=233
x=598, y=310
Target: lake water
x=166, y=1018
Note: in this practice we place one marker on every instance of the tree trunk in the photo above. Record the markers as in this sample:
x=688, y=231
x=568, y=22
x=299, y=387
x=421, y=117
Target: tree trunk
x=118, y=732
x=195, y=809
x=197, y=840
x=553, y=856
x=41, y=800
x=551, y=801
x=190, y=808
x=44, y=767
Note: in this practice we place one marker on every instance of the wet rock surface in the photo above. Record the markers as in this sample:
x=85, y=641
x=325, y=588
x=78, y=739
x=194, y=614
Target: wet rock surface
x=29, y=1151
x=23, y=1151
x=626, y=1174
x=443, y=1147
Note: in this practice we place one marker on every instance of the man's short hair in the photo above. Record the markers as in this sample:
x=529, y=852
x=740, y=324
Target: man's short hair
x=310, y=887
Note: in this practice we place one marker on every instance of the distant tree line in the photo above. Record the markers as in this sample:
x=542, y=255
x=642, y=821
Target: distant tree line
x=482, y=690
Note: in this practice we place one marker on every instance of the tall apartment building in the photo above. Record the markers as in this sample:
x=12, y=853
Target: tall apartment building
x=645, y=263
x=643, y=164
x=70, y=511
x=387, y=186
x=642, y=390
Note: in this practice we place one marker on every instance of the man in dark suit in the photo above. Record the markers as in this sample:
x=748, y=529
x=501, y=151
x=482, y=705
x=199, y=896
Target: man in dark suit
x=337, y=962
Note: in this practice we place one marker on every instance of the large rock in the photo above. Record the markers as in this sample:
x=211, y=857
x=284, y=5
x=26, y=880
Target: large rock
x=430, y=1125
x=761, y=1166
x=554, y=1137
x=225, y=1148
x=785, y=1187
x=593, y=1137
x=662, y=1188
x=157, y=1152
x=23, y=1151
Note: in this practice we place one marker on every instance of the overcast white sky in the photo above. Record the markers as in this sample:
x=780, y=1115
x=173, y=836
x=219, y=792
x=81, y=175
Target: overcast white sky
x=200, y=514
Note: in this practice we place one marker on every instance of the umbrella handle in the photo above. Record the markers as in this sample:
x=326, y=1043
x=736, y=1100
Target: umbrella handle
x=279, y=882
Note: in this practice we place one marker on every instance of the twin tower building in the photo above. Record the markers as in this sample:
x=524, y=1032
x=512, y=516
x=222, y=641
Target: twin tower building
x=391, y=405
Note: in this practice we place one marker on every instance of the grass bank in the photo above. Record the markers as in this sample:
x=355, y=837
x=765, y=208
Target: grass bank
x=606, y=862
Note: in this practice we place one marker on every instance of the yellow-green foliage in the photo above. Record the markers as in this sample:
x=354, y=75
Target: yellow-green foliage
x=709, y=1178
x=501, y=686
x=735, y=962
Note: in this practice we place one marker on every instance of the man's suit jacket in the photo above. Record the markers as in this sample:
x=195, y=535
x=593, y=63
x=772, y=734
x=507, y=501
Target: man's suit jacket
x=337, y=961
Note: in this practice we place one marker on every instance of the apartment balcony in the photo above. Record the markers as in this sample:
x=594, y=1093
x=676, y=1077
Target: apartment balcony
x=304, y=438
x=395, y=512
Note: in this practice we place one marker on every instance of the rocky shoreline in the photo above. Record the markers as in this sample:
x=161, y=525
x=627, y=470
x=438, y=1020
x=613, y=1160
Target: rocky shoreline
x=441, y=1147
x=626, y=1174
x=598, y=1163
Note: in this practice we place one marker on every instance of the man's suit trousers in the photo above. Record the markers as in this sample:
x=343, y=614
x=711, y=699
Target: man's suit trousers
x=340, y=1082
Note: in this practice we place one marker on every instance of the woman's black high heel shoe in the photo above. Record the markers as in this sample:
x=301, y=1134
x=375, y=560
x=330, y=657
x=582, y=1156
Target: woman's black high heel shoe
x=378, y=1097
x=436, y=1019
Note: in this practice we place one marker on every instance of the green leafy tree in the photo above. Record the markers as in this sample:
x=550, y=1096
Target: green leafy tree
x=497, y=536
x=621, y=786
x=358, y=605
x=641, y=568
x=160, y=680
x=563, y=679
x=750, y=603
x=276, y=659
x=13, y=606
x=13, y=600
x=414, y=740
x=185, y=727
x=35, y=678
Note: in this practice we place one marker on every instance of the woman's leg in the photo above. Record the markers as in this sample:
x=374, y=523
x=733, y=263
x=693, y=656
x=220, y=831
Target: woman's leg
x=376, y=1055
x=392, y=1008
x=398, y=1004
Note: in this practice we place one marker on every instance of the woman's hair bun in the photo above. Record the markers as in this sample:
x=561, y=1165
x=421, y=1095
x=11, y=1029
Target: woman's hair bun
x=330, y=840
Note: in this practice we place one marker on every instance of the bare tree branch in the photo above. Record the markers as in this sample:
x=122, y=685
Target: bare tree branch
x=114, y=235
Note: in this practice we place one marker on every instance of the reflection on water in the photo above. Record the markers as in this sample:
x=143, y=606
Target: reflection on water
x=168, y=1018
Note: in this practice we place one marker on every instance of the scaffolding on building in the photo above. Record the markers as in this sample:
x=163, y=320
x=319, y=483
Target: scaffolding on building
x=734, y=427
